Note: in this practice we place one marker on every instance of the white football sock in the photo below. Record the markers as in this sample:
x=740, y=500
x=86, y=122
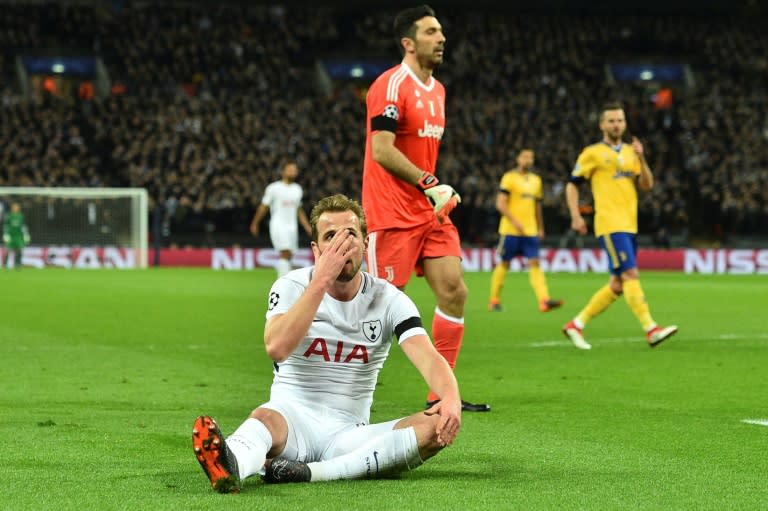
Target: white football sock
x=395, y=451
x=283, y=266
x=250, y=444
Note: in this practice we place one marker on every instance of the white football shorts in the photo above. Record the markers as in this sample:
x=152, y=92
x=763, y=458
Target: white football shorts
x=284, y=238
x=318, y=433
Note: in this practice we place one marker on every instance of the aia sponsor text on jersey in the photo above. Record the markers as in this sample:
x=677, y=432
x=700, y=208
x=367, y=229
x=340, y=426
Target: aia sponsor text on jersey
x=340, y=352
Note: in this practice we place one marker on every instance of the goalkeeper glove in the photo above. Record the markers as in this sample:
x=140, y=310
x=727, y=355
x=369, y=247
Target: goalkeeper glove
x=26, y=239
x=443, y=198
x=6, y=238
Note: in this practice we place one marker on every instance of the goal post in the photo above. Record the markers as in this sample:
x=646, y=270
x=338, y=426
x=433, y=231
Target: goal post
x=84, y=218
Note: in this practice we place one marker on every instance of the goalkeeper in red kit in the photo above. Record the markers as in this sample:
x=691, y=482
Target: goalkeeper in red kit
x=406, y=205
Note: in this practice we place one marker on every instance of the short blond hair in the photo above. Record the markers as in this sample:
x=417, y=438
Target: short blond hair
x=336, y=203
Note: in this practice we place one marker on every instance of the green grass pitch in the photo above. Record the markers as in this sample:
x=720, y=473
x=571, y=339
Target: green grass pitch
x=103, y=373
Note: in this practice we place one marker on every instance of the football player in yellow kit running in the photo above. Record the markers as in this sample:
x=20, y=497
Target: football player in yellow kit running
x=614, y=170
x=520, y=228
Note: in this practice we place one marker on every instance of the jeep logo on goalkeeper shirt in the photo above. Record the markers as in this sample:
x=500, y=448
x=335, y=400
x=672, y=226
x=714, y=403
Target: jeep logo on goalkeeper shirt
x=431, y=130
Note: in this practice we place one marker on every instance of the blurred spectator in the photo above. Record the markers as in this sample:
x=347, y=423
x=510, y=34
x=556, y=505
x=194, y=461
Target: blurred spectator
x=205, y=101
x=85, y=90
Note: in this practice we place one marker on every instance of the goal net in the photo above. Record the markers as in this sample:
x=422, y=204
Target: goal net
x=82, y=227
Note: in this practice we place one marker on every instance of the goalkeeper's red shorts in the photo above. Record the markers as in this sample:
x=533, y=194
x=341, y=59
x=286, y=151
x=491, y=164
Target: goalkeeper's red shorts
x=393, y=254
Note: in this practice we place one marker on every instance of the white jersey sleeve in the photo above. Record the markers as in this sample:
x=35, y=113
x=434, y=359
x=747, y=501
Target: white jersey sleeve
x=283, y=294
x=405, y=318
x=268, y=195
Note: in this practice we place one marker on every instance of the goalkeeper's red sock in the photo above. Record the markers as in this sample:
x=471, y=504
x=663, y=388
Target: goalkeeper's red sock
x=447, y=333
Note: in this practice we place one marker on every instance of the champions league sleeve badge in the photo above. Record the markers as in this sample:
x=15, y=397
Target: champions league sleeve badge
x=274, y=298
x=391, y=111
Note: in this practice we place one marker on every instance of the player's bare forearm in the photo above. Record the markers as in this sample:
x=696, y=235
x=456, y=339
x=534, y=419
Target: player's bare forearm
x=304, y=221
x=517, y=225
x=572, y=199
x=502, y=206
x=509, y=216
x=539, y=216
x=646, y=176
x=283, y=333
x=261, y=212
x=501, y=203
x=432, y=366
x=392, y=159
x=439, y=376
x=449, y=406
x=540, y=219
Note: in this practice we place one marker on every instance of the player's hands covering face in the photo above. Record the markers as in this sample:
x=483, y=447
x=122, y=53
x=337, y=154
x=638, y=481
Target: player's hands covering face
x=340, y=256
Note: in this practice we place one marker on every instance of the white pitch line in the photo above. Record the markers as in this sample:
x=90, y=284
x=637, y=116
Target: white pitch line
x=549, y=344
x=757, y=422
x=621, y=340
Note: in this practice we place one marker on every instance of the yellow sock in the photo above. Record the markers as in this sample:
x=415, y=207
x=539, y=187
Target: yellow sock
x=538, y=283
x=597, y=304
x=497, y=281
x=633, y=293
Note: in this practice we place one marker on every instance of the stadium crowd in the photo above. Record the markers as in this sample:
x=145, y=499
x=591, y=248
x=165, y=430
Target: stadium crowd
x=210, y=100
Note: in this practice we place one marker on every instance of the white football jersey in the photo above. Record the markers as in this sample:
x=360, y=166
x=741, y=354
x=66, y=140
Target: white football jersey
x=338, y=361
x=283, y=200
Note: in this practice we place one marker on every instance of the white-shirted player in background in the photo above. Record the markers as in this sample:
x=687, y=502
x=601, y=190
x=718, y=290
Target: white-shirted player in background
x=283, y=200
x=329, y=330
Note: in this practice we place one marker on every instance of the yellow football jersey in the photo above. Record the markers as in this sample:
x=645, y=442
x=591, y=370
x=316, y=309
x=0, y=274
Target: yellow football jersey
x=612, y=172
x=524, y=190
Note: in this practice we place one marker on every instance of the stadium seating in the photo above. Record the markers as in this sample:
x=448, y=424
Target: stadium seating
x=210, y=100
